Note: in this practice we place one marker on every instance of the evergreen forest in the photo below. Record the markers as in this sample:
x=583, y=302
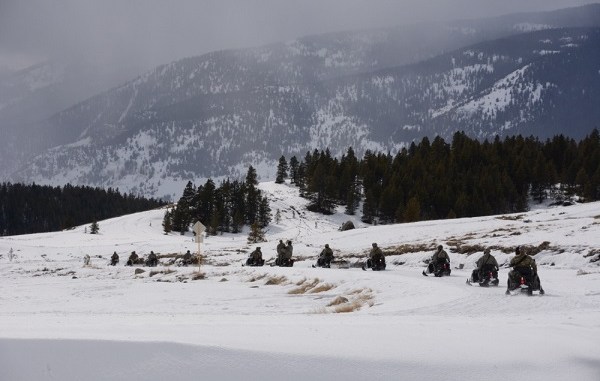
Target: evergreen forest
x=427, y=180
x=35, y=208
x=462, y=178
x=224, y=208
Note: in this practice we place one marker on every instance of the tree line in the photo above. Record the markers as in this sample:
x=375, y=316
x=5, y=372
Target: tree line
x=436, y=179
x=224, y=208
x=26, y=209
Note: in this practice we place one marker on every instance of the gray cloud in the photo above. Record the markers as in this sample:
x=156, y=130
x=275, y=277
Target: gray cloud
x=159, y=31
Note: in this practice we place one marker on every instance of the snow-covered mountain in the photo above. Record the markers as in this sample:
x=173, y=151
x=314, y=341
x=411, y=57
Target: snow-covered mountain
x=100, y=322
x=34, y=94
x=214, y=115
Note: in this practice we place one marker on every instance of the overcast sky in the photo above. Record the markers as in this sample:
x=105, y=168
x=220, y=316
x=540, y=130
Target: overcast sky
x=159, y=31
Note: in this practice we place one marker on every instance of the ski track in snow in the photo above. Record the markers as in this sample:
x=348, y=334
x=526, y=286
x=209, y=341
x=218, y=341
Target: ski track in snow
x=105, y=323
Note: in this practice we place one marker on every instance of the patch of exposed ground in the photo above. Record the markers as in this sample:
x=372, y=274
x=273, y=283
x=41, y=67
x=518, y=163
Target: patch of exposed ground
x=511, y=218
x=350, y=302
x=164, y=272
x=276, y=280
x=313, y=286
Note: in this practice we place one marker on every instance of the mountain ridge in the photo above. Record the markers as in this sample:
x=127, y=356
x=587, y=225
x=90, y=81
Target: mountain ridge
x=178, y=122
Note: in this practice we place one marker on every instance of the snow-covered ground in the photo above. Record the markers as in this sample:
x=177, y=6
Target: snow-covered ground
x=60, y=320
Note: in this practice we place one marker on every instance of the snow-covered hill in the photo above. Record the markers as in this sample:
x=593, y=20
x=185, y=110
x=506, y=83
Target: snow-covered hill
x=101, y=322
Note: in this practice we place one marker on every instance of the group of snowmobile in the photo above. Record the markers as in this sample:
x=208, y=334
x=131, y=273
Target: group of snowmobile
x=283, y=259
x=523, y=277
x=150, y=261
x=376, y=260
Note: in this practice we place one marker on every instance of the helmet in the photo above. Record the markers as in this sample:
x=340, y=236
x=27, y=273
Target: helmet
x=327, y=245
x=374, y=244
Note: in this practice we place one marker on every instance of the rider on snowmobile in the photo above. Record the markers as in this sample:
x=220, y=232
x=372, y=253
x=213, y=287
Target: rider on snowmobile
x=325, y=257
x=255, y=258
x=485, y=264
x=439, y=258
x=523, y=266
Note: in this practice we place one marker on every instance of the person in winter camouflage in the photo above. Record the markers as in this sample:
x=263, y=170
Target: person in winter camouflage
x=289, y=250
x=523, y=266
x=114, y=259
x=521, y=263
x=132, y=260
x=485, y=264
x=280, y=252
x=255, y=258
x=187, y=258
x=325, y=257
x=439, y=258
x=152, y=260
x=376, y=259
x=284, y=254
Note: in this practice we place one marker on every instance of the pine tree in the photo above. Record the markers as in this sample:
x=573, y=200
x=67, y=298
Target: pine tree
x=181, y=215
x=369, y=211
x=264, y=212
x=540, y=179
x=251, y=177
x=94, y=227
x=256, y=234
x=167, y=223
x=282, y=170
x=294, y=165
x=238, y=221
x=252, y=195
x=213, y=227
x=388, y=204
x=352, y=201
x=412, y=212
x=349, y=189
x=178, y=221
x=583, y=184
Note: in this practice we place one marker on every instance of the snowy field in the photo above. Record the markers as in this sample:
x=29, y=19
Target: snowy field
x=60, y=320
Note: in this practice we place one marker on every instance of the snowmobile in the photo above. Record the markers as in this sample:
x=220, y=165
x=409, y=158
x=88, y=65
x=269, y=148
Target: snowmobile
x=374, y=264
x=527, y=284
x=254, y=263
x=151, y=262
x=283, y=262
x=135, y=261
x=490, y=278
x=439, y=269
x=322, y=262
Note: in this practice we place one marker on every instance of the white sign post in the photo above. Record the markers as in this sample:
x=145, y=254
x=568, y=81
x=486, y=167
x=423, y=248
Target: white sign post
x=199, y=229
